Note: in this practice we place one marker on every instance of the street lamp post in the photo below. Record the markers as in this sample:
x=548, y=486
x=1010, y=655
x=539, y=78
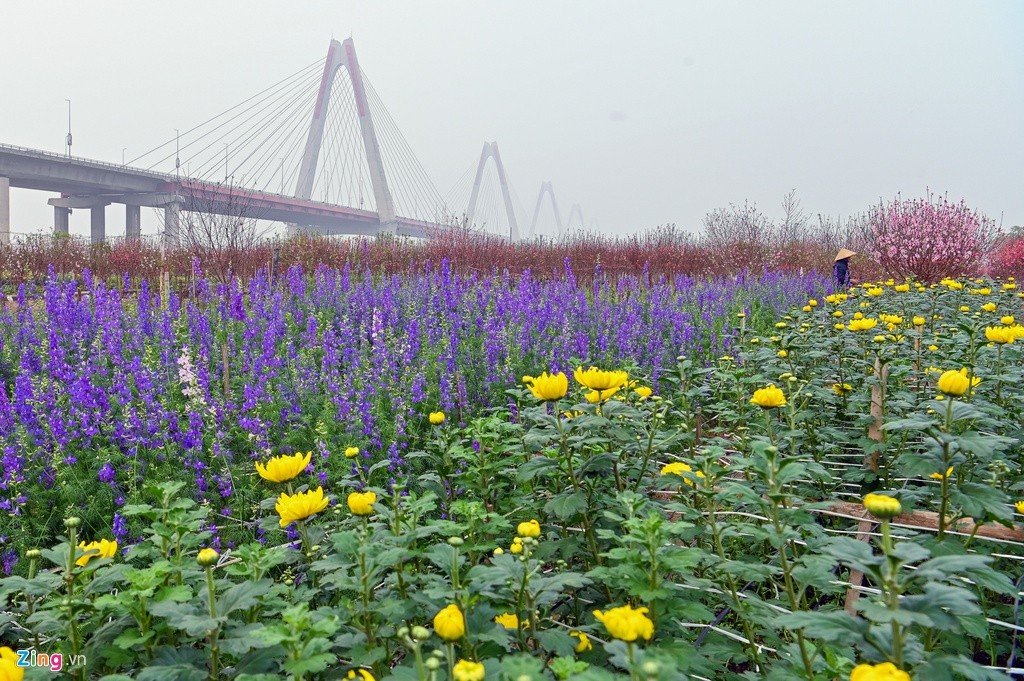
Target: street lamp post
x=123, y=149
x=67, y=140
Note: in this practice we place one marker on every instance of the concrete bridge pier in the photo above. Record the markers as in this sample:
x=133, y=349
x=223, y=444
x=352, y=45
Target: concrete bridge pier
x=132, y=222
x=98, y=223
x=5, y=210
x=61, y=221
x=172, y=224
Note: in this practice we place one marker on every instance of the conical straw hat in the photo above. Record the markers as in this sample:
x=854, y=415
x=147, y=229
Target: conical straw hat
x=845, y=253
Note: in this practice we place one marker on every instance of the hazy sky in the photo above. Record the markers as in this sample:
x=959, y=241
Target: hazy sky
x=644, y=113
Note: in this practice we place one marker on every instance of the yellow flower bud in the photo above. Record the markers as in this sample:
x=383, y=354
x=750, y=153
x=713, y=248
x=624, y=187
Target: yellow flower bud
x=449, y=623
x=207, y=557
x=881, y=506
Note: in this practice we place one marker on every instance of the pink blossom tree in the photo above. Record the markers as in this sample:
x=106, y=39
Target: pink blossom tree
x=929, y=238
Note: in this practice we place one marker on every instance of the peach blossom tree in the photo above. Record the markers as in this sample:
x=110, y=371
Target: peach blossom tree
x=929, y=238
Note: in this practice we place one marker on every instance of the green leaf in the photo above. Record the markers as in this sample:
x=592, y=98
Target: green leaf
x=556, y=641
x=176, y=672
x=537, y=466
x=241, y=596
x=828, y=626
x=566, y=505
x=176, y=594
x=943, y=668
x=312, y=663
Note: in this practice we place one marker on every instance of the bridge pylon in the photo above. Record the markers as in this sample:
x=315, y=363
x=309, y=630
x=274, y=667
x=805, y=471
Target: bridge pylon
x=490, y=151
x=575, y=211
x=338, y=55
x=545, y=188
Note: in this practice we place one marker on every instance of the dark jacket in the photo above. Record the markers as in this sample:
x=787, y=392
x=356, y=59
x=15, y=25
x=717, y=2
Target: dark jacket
x=842, y=273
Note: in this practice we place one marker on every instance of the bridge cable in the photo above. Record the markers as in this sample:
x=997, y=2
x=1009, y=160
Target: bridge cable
x=419, y=178
x=234, y=134
x=292, y=118
x=318, y=64
x=296, y=89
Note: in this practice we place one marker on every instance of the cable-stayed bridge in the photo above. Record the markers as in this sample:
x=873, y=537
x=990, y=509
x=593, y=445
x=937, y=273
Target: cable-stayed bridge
x=316, y=151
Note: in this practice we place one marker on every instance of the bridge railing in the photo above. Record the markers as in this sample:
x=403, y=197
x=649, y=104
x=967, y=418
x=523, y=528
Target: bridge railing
x=54, y=156
x=39, y=153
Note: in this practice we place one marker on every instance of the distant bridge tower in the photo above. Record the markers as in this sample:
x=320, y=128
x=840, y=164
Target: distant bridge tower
x=490, y=150
x=575, y=211
x=338, y=55
x=545, y=187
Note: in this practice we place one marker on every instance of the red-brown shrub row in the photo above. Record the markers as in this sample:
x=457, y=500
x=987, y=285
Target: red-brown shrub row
x=664, y=251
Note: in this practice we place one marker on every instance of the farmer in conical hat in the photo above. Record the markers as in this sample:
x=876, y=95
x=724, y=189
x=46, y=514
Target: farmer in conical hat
x=841, y=270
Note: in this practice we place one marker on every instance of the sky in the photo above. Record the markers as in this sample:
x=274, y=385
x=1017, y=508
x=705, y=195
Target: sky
x=644, y=113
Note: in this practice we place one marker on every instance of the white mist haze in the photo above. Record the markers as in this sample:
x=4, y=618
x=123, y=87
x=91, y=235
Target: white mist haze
x=643, y=113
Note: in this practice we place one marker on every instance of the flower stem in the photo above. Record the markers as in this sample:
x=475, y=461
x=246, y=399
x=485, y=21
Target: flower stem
x=211, y=591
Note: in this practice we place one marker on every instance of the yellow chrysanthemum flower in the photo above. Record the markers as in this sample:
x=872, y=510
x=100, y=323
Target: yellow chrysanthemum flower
x=1000, y=334
x=862, y=324
x=989, y=307
x=886, y=671
x=549, y=387
x=351, y=452
x=627, y=623
x=517, y=546
x=284, y=468
x=643, y=391
x=678, y=468
x=467, y=670
x=9, y=669
x=955, y=383
x=1020, y=507
x=769, y=397
x=449, y=623
x=531, y=528
x=360, y=675
x=299, y=506
x=436, y=418
x=940, y=476
x=901, y=288
x=361, y=503
x=511, y=621
x=1008, y=320
x=841, y=388
x=584, y=641
x=875, y=291
x=599, y=380
x=104, y=548
x=599, y=396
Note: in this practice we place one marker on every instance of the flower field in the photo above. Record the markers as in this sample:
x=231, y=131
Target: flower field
x=442, y=476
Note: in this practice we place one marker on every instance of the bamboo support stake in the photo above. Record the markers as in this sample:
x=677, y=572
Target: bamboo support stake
x=856, y=576
x=877, y=410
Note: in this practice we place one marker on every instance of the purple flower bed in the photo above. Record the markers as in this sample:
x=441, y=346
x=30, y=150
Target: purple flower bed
x=104, y=391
